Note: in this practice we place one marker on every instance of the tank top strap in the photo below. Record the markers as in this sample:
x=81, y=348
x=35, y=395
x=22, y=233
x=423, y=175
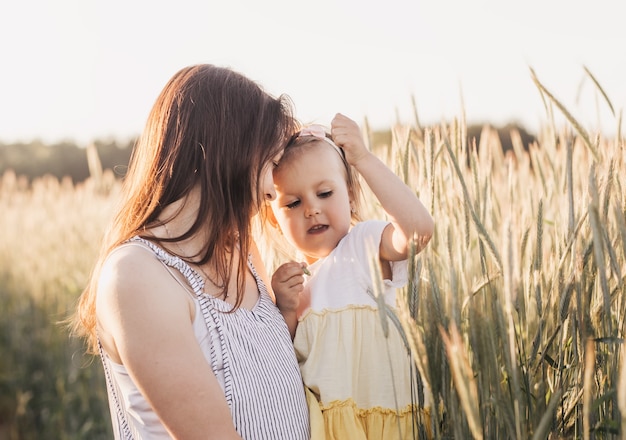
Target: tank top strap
x=210, y=307
x=193, y=278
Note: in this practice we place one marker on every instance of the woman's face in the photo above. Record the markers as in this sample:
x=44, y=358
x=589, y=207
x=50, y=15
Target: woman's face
x=266, y=190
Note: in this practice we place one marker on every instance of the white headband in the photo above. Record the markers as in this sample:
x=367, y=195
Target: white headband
x=319, y=132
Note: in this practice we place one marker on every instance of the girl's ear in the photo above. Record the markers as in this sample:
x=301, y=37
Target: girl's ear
x=354, y=215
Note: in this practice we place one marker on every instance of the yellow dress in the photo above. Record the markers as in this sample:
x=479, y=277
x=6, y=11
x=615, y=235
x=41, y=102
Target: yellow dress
x=358, y=381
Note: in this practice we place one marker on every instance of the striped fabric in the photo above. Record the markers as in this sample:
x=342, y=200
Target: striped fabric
x=253, y=352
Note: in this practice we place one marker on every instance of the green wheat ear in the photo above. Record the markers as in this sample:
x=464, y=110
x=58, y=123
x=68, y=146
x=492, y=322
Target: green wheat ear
x=306, y=271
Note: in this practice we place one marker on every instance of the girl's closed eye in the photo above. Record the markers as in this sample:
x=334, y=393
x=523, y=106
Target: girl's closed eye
x=293, y=204
x=325, y=194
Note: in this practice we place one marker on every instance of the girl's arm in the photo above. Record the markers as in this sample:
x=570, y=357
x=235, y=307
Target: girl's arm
x=409, y=217
x=145, y=320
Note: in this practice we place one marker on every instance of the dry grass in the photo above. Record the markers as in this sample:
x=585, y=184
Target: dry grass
x=50, y=239
x=515, y=315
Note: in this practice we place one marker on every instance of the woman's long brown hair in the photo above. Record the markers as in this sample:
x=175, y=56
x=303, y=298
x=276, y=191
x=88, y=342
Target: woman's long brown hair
x=213, y=128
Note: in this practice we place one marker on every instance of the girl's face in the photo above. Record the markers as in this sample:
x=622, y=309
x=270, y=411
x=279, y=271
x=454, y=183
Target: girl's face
x=312, y=205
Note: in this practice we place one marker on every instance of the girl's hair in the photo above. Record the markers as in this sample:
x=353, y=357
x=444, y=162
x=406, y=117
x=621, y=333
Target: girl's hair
x=213, y=128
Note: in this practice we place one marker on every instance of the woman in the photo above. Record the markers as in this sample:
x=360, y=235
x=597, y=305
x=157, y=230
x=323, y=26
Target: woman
x=191, y=341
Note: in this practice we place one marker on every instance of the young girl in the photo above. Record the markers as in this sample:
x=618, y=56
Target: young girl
x=339, y=339
x=192, y=344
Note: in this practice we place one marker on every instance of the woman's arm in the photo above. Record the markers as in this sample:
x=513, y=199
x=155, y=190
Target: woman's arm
x=148, y=317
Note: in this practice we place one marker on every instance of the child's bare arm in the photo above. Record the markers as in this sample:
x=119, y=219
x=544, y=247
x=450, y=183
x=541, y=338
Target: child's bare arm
x=409, y=217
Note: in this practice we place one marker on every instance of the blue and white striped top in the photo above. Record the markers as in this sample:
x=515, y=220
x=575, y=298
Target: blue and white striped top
x=250, y=353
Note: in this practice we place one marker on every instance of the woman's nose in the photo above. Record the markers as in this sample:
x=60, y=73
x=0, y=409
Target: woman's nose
x=270, y=193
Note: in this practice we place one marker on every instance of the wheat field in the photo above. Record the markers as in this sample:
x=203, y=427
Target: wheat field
x=514, y=316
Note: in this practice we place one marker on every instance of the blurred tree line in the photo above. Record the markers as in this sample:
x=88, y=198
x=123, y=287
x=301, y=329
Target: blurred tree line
x=62, y=159
x=66, y=159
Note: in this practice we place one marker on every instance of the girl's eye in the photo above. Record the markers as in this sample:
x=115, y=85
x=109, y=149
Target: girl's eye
x=293, y=204
x=325, y=194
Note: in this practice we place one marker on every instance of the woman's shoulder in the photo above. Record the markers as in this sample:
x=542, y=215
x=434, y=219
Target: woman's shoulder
x=127, y=258
x=132, y=282
x=132, y=269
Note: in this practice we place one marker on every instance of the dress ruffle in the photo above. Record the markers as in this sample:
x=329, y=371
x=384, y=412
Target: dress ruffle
x=343, y=420
x=359, y=381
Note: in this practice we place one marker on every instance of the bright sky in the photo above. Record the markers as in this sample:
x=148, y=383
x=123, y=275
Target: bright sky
x=78, y=70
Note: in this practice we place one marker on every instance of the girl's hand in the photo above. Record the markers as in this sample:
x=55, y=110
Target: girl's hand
x=288, y=283
x=347, y=135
